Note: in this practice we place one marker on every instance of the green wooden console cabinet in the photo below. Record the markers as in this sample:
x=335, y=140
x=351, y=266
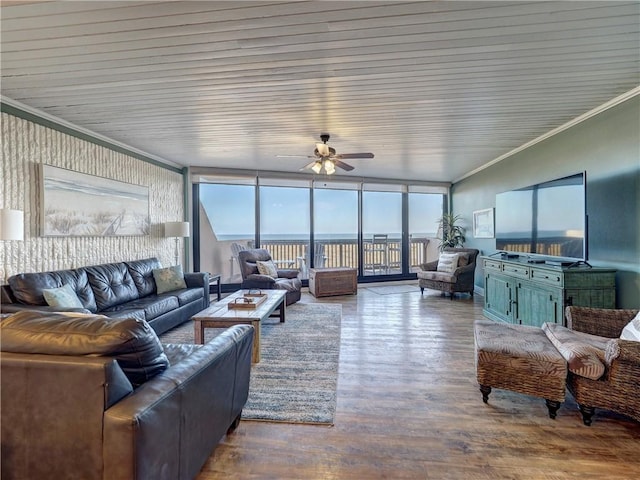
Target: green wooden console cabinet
x=531, y=294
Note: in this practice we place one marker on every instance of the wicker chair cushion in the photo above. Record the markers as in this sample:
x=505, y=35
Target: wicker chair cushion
x=518, y=358
x=632, y=330
x=584, y=353
x=438, y=276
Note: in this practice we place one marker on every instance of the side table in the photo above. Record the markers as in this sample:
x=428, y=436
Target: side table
x=214, y=280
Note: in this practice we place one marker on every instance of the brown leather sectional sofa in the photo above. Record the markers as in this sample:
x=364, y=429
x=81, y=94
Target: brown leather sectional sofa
x=70, y=409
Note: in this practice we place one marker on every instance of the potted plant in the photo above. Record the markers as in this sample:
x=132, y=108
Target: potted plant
x=452, y=234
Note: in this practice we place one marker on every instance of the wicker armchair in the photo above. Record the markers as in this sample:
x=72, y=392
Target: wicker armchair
x=461, y=280
x=619, y=388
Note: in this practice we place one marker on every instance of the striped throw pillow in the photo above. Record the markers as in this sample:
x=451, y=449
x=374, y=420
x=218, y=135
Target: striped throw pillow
x=447, y=262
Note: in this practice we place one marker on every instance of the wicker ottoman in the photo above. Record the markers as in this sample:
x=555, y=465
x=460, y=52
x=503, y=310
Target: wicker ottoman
x=519, y=358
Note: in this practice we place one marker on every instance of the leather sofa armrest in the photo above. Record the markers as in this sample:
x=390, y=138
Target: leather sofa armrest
x=197, y=279
x=255, y=280
x=56, y=403
x=171, y=423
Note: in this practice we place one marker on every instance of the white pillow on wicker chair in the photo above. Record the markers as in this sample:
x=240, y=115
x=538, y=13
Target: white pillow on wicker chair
x=632, y=330
x=448, y=262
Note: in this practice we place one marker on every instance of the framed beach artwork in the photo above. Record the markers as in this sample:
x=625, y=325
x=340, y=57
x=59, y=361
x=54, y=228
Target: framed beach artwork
x=483, y=223
x=76, y=204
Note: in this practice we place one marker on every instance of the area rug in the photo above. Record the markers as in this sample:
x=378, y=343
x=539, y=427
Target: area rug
x=297, y=377
x=391, y=289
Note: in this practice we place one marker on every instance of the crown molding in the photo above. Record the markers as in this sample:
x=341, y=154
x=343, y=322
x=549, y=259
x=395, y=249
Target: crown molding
x=571, y=123
x=18, y=109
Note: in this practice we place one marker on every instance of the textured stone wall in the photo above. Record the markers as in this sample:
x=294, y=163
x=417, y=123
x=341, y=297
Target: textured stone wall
x=27, y=145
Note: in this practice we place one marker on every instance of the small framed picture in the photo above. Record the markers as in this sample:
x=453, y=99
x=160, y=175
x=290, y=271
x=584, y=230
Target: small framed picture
x=483, y=223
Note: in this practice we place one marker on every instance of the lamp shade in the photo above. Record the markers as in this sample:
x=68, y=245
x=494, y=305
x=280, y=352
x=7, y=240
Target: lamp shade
x=11, y=224
x=176, y=229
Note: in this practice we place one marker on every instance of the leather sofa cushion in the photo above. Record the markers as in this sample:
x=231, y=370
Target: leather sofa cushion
x=152, y=306
x=188, y=295
x=141, y=272
x=159, y=306
x=28, y=288
x=133, y=343
x=125, y=311
x=112, y=284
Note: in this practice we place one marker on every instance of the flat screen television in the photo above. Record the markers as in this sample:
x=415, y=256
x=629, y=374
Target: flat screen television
x=547, y=219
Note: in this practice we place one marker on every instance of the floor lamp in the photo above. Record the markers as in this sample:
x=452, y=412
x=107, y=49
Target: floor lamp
x=176, y=230
x=11, y=224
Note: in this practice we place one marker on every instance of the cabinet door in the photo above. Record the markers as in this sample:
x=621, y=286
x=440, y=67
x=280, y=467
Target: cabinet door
x=497, y=295
x=536, y=305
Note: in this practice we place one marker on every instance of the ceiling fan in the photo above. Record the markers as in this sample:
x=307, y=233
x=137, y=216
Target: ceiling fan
x=325, y=157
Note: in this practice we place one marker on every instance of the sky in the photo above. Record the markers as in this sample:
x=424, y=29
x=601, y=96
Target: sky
x=285, y=211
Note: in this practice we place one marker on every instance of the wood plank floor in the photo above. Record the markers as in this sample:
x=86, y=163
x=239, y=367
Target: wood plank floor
x=409, y=408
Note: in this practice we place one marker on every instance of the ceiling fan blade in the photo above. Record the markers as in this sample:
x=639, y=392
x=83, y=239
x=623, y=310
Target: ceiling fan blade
x=342, y=165
x=354, y=155
x=295, y=156
x=308, y=165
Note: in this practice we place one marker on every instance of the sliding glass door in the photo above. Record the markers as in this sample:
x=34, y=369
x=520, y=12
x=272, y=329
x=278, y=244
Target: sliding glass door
x=285, y=225
x=335, y=226
x=425, y=209
x=381, y=233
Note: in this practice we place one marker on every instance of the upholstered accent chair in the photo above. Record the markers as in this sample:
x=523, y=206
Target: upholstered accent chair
x=459, y=280
x=618, y=389
x=284, y=279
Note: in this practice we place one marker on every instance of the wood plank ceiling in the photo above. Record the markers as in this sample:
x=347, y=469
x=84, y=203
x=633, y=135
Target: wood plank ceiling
x=434, y=89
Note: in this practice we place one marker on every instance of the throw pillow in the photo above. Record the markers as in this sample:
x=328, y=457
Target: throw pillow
x=632, y=330
x=267, y=268
x=63, y=297
x=169, y=279
x=447, y=262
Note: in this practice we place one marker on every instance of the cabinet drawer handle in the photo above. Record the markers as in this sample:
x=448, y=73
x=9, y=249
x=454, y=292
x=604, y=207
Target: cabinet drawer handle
x=547, y=277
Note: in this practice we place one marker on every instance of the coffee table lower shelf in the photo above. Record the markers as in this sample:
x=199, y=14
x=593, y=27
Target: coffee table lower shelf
x=199, y=324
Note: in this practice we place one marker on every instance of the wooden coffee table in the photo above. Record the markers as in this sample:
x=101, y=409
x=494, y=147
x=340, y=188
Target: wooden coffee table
x=219, y=315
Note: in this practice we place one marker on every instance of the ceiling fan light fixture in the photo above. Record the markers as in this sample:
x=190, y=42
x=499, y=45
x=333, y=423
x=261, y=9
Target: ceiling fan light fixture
x=323, y=149
x=316, y=167
x=329, y=167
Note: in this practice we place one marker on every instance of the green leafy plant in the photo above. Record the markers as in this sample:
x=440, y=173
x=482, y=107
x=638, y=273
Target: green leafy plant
x=451, y=233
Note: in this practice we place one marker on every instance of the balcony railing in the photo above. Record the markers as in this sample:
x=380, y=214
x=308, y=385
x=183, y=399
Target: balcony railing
x=344, y=253
x=217, y=255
